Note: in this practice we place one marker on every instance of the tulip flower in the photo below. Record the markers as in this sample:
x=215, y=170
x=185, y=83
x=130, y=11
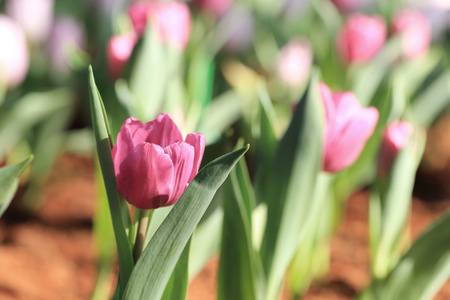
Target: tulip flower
x=361, y=38
x=348, y=127
x=14, y=55
x=216, y=7
x=294, y=62
x=170, y=21
x=118, y=51
x=395, y=138
x=34, y=16
x=346, y=5
x=415, y=32
x=153, y=165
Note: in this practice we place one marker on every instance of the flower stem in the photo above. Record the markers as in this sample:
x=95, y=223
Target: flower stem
x=145, y=217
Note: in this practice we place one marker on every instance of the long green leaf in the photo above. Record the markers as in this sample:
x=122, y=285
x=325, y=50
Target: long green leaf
x=103, y=139
x=290, y=186
x=176, y=288
x=422, y=271
x=240, y=269
x=154, y=268
x=9, y=181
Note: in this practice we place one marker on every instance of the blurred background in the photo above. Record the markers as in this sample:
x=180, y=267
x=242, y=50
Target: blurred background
x=226, y=57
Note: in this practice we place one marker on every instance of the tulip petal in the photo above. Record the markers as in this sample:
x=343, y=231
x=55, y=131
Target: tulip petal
x=125, y=142
x=146, y=177
x=162, y=131
x=182, y=157
x=350, y=140
x=197, y=140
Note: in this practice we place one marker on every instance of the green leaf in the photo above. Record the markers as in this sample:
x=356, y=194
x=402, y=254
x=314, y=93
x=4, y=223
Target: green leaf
x=154, y=268
x=9, y=181
x=103, y=139
x=176, y=288
x=240, y=269
x=290, y=186
x=422, y=271
x=32, y=109
x=394, y=207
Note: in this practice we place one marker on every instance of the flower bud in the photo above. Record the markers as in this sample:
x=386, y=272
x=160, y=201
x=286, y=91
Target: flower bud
x=14, y=55
x=415, y=32
x=34, y=16
x=395, y=138
x=294, y=62
x=153, y=165
x=170, y=21
x=118, y=53
x=361, y=38
x=348, y=127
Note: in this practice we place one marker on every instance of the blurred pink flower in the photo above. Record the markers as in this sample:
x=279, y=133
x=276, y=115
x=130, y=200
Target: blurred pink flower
x=346, y=5
x=396, y=136
x=14, y=55
x=153, y=164
x=361, y=38
x=66, y=32
x=118, y=52
x=348, y=127
x=170, y=21
x=294, y=62
x=415, y=31
x=34, y=16
x=217, y=7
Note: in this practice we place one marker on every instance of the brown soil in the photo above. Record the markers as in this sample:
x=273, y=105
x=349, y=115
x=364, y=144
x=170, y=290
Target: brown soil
x=50, y=254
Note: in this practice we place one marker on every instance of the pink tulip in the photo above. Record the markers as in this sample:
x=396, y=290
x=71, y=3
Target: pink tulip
x=361, y=38
x=294, y=62
x=348, y=127
x=153, y=164
x=170, y=21
x=396, y=136
x=216, y=7
x=415, y=31
x=118, y=52
x=346, y=5
x=14, y=55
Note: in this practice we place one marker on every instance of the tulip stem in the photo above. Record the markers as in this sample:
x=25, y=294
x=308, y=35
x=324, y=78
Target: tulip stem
x=143, y=215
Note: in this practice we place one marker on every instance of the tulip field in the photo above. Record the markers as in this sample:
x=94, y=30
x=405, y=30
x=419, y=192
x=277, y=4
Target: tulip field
x=225, y=149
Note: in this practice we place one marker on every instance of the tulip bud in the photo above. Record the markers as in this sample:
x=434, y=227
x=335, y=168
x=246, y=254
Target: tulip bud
x=34, y=16
x=415, y=32
x=361, y=38
x=294, y=62
x=395, y=138
x=170, y=21
x=216, y=7
x=118, y=52
x=14, y=56
x=348, y=127
x=66, y=32
x=153, y=165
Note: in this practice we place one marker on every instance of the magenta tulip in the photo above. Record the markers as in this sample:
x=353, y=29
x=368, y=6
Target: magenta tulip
x=415, y=31
x=153, y=164
x=396, y=136
x=118, y=52
x=348, y=127
x=361, y=38
x=170, y=21
x=216, y=7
